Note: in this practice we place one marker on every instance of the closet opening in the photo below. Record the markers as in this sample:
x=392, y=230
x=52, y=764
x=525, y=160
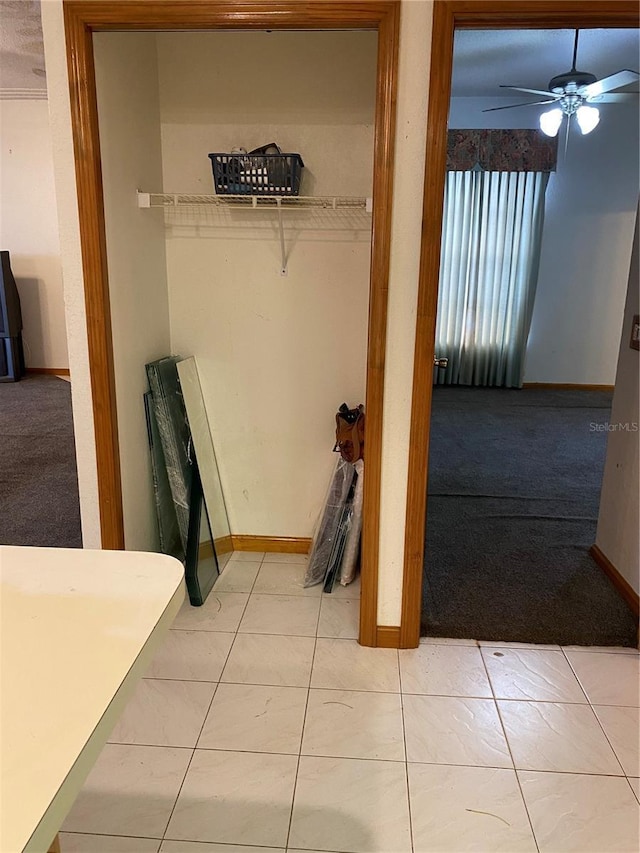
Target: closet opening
x=282, y=305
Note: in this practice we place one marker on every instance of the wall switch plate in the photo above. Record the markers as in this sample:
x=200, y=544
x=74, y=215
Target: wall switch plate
x=634, y=343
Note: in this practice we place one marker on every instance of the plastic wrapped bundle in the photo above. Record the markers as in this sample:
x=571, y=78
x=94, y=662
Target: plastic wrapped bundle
x=325, y=536
x=173, y=428
x=352, y=548
x=170, y=541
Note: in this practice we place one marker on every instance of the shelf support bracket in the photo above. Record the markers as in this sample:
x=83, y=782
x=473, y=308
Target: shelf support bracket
x=283, y=253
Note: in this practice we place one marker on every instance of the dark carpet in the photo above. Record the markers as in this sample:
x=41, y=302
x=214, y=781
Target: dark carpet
x=39, y=502
x=514, y=491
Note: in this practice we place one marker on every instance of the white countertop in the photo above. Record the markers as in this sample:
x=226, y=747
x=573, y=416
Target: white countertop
x=77, y=630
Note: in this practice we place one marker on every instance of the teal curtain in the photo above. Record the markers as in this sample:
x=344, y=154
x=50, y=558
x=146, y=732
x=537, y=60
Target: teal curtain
x=492, y=231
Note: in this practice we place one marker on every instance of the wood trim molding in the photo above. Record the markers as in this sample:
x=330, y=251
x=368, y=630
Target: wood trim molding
x=447, y=16
x=621, y=584
x=439, y=96
x=86, y=143
x=82, y=18
x=388, y=637
x=271, y=544
x=383, y=158
x=205, y=550
x=542, y=14
x=565, y=386
x=257, y=544
x=54, y=371
x=105, y=15
x=223, y=545
x=55, y=845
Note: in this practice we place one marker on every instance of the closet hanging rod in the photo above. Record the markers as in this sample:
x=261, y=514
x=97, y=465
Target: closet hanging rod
x=245, y=202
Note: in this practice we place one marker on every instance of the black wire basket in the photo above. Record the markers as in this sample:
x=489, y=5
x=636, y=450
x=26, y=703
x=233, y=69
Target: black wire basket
x=257, y=174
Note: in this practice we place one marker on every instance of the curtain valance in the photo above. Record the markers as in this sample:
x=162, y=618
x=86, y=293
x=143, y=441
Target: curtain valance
x=501, y=151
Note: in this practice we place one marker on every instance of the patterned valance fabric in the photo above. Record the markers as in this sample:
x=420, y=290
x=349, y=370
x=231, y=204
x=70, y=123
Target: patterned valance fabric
x=501, y=151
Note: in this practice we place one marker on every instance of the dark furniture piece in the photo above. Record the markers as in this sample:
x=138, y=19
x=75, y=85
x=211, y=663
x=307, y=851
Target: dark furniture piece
x=11, y=352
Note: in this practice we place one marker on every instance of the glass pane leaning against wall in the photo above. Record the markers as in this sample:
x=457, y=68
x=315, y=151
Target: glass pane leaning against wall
x=206, y=458
x=176, y=473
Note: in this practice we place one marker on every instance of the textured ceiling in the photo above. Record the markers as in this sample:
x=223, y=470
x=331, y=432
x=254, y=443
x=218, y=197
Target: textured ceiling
x=21, y=49
x=483, y=59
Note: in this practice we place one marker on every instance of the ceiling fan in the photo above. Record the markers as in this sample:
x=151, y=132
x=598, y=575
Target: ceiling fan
x=575, y=92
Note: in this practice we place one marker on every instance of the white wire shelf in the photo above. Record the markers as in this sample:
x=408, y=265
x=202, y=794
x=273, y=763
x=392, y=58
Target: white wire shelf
x=261, y=202
x=344, y=213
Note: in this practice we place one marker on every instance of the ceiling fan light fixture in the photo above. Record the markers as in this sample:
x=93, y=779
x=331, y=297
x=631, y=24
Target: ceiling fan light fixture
x=588, y=118
x=551, y=120
x=572, y=93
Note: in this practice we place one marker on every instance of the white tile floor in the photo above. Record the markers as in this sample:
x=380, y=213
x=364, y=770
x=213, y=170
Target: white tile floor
x=262, y=725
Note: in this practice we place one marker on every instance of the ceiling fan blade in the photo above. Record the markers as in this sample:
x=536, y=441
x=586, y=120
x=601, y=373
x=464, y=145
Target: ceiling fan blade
x=613, y=97
x=530, y=91
x=513, y=106
x=613, y=81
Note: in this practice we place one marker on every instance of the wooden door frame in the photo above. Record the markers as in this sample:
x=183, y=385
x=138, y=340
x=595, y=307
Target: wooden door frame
x=449, y=15
x=84, y=17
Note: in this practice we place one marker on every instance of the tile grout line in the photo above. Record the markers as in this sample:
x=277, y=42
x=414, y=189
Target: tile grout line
x=595, y=714
x=304, y=723
x=506, y=740
x=259, y=633
x=515, y=769
x=291, y=686
x=362, y=690
x=230, y=844
x=162, y=840
x=360, y=758
x=296, y=754
x=575, y=675
x=601, y=650
x=406, y=754
x=110, y=835
x=193, y=749
x=193, y=752
x=407, y=692
x=184, y=778
x=252, y=593
x=542, y=647
x=422, y=645
x=633, y=791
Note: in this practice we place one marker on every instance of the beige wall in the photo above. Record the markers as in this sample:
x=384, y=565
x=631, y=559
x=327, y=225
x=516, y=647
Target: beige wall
x=276, y=354
x=312, y=93
x=618, y=522
x=407, y=214
x=129, y=116
x=29, y=229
